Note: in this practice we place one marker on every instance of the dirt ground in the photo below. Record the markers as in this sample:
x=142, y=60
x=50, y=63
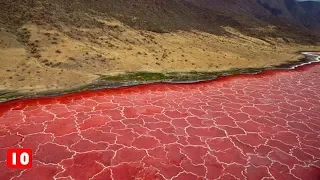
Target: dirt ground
x=41, y=58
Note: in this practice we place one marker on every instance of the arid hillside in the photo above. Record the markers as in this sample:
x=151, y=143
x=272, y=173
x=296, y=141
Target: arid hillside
x=55, y=44
x=300, y=13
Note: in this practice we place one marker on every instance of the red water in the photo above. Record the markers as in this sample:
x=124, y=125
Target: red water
x=247, y=126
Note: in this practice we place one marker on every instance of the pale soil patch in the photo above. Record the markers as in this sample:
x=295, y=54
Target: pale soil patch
x=54, y=59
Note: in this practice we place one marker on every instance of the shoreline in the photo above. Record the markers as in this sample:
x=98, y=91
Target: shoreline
x=134, y=79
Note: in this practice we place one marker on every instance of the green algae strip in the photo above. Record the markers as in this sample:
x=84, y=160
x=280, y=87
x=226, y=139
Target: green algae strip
x=130, y=79
x=136, y=78
x=175, y=76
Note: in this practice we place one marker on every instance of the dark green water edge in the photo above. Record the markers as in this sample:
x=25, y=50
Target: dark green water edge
x=138, y=78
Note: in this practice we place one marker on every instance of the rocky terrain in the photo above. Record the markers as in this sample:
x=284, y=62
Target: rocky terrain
x=55, y=44
x=303, y=13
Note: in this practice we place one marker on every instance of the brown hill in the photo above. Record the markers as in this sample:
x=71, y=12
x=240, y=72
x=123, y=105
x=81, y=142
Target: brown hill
x=57, y=44
x=164, y=15
x=305, y=13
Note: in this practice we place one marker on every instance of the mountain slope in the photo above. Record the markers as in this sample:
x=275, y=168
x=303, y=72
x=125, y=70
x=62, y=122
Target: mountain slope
x=291, y=11
x=312, y=10
x=58, y=44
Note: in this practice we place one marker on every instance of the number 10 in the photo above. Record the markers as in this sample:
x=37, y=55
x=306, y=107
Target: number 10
x=19, y=158
x=24, y=158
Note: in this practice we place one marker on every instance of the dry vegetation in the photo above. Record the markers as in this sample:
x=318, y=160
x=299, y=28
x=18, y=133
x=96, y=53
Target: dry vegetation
x=59, y=45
